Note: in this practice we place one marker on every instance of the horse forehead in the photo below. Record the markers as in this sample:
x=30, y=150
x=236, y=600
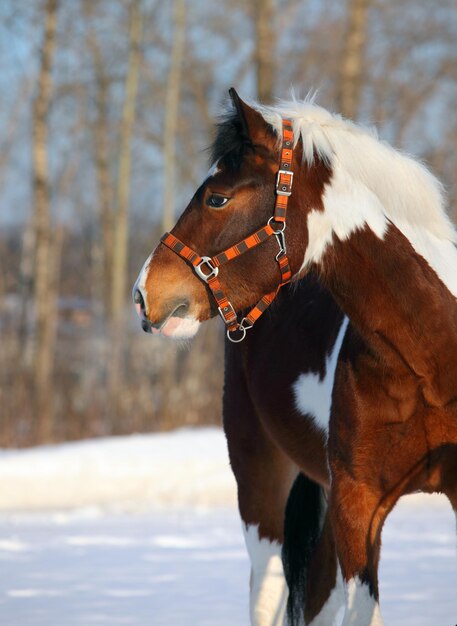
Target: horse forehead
x=254, y=162
x=227, y=177
x=217, y=173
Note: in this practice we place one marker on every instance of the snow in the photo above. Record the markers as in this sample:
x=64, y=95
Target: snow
x=185, y=467
x=143, y=530
x=167, y=569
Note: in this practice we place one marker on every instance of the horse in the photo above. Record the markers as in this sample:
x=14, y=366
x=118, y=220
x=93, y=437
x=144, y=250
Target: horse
x=371, y=223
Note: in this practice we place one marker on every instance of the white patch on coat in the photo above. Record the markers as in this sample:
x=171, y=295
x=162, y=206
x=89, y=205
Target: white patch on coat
x=313, y=395
x=372, y=184
x=268, y=587
x=334, y=605
x=349, y=206
x=361, y=608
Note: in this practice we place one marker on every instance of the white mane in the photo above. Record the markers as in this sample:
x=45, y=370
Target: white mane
x=372, y=184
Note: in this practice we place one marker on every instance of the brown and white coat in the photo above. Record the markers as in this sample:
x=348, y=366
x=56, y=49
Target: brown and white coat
x=370, y=223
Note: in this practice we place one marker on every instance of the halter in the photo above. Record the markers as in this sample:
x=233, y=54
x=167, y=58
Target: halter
x=207, y=268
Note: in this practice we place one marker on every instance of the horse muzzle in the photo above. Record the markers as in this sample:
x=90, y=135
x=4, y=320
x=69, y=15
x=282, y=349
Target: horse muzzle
x=176, y=323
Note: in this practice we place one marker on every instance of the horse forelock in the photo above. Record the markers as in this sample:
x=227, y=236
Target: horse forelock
x=230, y=142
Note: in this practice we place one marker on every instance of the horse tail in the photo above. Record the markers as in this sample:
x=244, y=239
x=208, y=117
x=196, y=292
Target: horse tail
x=302, y=528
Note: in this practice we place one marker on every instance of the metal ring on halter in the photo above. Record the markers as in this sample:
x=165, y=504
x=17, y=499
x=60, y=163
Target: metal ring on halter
x=278, y=230
x=240, y=329
x=246, y=324
x=243, y=327
x=214, y=270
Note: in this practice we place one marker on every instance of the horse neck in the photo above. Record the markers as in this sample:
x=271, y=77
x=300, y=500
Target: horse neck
x=398, y=304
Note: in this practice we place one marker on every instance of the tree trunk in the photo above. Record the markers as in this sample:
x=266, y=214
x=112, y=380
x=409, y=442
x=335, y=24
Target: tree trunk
x=352, y=62
x=100, y=133
x=172, y=100
x=265, y=47
x=121, y=225
x=27, y=269
x=45, y=300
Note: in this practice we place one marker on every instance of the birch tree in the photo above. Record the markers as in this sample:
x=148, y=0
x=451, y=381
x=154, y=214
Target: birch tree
x=101, y=142
x=265, y=48
x=121, y=224
x=44, y=283
x=172, y=100
x=351, y=68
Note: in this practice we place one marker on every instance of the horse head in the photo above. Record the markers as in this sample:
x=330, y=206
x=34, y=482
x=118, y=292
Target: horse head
x=233, y=210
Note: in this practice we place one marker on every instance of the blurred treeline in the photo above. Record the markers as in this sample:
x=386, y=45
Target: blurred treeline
x=106, y=109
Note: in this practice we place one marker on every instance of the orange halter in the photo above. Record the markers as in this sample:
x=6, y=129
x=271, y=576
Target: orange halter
x=284, y=181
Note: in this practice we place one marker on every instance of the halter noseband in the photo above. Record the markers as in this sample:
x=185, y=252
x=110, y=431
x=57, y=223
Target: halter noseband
x=284, y=179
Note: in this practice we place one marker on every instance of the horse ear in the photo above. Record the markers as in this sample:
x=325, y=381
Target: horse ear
x=253, y=125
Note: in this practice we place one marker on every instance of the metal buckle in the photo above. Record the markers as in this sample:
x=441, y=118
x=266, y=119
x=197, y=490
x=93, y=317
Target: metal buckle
x=214, y=270
x=282, y=191
x=227, y=309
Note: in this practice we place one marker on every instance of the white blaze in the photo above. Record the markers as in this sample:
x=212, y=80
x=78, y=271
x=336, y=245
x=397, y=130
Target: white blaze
x=140, y=283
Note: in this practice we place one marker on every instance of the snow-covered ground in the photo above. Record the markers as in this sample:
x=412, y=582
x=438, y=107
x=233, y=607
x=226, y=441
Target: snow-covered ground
x=164, y=569
x=143, y=531
x=185, y=467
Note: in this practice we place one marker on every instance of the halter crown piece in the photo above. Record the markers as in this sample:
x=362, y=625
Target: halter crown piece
x=207, y=268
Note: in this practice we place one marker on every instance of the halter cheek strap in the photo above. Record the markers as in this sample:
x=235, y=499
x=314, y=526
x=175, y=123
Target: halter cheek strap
x=207, y=268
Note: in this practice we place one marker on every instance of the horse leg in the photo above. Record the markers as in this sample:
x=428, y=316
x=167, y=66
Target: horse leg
x=264, y=476
x=357, y=513
x=262, y=496
x=325, y=589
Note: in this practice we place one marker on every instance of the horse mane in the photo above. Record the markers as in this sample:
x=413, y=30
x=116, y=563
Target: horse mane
x=403, y=191
x=406, y=188
x=381, y=185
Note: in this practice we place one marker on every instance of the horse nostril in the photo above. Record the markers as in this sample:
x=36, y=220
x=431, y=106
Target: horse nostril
x=138, y=298
x=146, y=326
x=181, y=310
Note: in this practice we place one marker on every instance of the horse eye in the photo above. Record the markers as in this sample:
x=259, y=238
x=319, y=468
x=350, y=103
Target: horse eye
x=216, y=201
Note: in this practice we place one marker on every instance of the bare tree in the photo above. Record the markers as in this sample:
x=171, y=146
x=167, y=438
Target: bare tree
x=45, y=296
x=172, y=100
x=109, y=377
x=351, y=68
x=121, y=224
x=265, y=48
x=101, y=142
